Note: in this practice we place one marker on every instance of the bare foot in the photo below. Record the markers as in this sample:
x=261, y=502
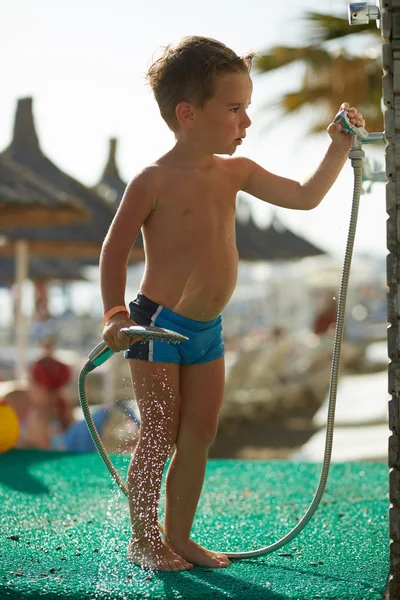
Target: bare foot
x=198, y=555
x=155, y=555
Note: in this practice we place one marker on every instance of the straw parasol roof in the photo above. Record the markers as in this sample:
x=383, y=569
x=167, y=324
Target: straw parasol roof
x=42, y=269
x=276, y=242
x=284, y=244
x=111, y=186
x=25, y=198
x=79, y=239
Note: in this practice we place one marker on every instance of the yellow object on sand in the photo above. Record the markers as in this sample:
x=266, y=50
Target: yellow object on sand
x=9, y=427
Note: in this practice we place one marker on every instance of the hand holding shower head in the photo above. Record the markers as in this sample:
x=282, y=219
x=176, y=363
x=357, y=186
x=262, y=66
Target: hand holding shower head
x=359, y=132
x=97, y=357
x=102, y=352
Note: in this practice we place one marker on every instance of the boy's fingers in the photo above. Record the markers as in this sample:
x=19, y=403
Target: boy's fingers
x=345, y=106
x=122, y=342
x=113, y=347
x=334, y=127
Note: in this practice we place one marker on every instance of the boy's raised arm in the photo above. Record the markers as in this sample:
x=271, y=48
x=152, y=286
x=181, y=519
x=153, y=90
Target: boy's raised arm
x=137, y=203
x=288, y=193
x=303, y=196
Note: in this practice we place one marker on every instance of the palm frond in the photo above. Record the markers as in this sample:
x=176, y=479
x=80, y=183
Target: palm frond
x=294, y=101
x=330, y=76
x=281, y=56
x=323, y=27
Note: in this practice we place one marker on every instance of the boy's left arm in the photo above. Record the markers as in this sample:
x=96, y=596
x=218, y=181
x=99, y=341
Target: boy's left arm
x=288, y=193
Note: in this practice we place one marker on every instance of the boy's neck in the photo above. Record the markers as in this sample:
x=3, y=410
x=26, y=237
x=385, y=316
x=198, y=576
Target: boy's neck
x=185, y=155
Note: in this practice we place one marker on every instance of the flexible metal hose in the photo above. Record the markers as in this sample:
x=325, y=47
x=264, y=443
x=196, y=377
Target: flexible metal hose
x=86, y=369
x=356, y=155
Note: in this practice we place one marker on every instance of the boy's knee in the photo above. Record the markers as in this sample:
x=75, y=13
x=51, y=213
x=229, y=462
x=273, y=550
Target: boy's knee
x=160, y=436
x=202, y=433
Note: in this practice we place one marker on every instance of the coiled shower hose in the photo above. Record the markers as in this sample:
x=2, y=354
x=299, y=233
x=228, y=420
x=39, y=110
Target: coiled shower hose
x=356, y=155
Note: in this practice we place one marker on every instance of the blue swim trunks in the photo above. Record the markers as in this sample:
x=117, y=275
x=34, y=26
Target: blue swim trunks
x=205, y=337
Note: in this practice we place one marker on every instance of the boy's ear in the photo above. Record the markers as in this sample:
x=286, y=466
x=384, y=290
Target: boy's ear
x=184, y=114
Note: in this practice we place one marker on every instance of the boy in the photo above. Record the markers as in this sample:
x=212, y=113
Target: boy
x=185, y=205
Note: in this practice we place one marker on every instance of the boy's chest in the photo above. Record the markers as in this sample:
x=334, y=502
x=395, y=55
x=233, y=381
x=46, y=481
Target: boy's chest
x=201, y=199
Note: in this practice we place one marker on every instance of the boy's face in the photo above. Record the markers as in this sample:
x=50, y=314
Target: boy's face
x=220, y=126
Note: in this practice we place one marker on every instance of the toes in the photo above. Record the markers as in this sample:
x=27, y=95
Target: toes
x=185, y=564
x=163, y=566
x=179, y=565
x=223, y=560
x=222, y=564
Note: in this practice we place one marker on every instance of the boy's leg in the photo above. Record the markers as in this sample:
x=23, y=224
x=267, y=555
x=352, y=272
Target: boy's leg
x=156, y=387
x=201, y=392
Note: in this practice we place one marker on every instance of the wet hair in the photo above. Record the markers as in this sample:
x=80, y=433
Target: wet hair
x=186, y=72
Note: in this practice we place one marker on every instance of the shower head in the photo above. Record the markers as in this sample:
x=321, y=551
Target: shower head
x=102, y=352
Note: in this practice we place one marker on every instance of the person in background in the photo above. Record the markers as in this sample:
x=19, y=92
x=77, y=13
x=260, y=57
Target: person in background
x=325, y=320
x=51, y=411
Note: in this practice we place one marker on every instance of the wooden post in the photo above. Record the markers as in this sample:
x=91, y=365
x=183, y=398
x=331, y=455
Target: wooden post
x=390, y=25
x=21, y=325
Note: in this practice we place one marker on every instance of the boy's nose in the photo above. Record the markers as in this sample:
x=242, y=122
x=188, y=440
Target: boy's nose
x=247, y=121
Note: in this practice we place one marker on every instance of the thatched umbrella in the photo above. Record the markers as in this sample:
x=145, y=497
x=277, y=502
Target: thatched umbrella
x=25, y=199
x=281, y=243
x=276, y=242
x=111, y=186
x=80, y=240
x=42, y=269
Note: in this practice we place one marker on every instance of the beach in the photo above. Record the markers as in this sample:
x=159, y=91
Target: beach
x=361, y=425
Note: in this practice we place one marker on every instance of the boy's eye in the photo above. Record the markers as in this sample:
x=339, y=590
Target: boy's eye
x=235, y=109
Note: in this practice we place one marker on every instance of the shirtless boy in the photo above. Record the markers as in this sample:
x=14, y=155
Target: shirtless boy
x=185, y=204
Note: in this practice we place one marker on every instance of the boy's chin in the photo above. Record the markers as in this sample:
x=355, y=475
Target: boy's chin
x=227, y=151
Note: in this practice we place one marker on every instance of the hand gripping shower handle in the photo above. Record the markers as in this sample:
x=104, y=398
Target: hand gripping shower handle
x=102, y=352
x=359, y=132
x=97, y=357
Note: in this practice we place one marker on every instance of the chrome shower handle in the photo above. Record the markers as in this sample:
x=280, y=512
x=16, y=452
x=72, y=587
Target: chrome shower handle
x=361, y=13
x=359, y=132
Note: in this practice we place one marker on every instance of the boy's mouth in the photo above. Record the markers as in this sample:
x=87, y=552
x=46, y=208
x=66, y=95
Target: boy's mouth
x=239, y=140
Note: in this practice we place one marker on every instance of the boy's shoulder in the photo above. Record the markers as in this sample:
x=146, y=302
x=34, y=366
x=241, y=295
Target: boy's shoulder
x=148, y=173
x=146, y=179
x=156, y=172
x=234, y=162
x=237, y=166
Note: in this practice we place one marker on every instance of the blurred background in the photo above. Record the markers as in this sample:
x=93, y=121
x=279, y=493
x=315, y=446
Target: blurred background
x=77, y=121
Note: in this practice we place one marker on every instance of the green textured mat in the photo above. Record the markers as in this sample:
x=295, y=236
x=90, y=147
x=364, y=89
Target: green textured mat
x=69, y=526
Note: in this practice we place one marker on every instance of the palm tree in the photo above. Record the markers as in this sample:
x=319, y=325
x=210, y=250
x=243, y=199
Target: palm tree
x=331, y=76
